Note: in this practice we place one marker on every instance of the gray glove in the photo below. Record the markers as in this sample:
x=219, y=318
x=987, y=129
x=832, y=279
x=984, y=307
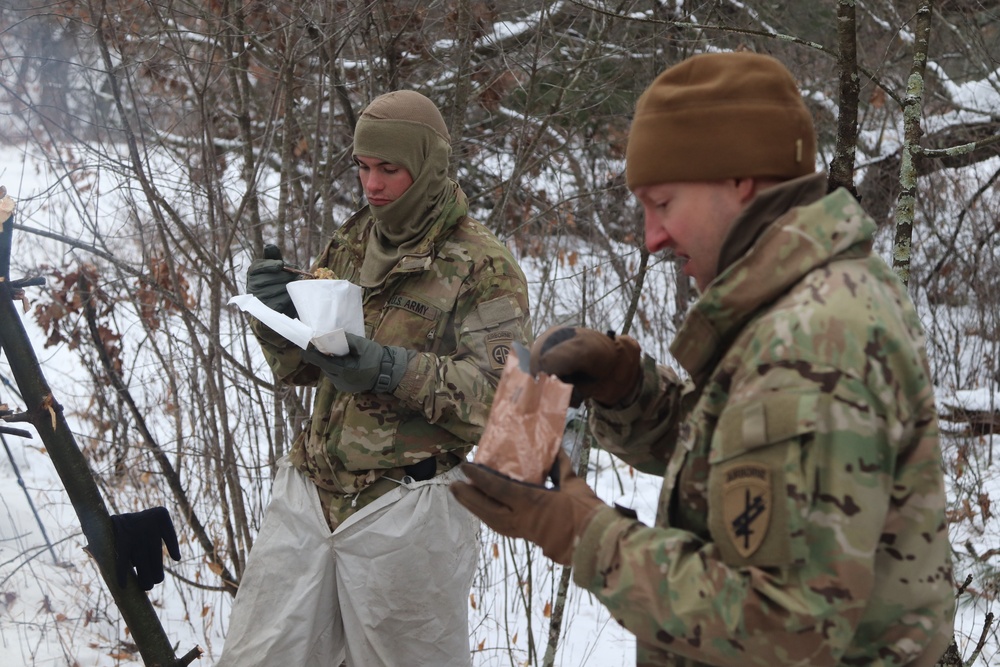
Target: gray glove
x=369, y=366
x=267, y=280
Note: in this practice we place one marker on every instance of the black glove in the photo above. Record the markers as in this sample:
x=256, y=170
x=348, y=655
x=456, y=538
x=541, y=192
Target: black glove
x=599, y=366
x=138, y=537
x=369, y=366
x=267, y=279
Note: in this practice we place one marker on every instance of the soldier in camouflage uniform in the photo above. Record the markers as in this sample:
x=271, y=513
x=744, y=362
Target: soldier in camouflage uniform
x=363, y=553
x=801, y=519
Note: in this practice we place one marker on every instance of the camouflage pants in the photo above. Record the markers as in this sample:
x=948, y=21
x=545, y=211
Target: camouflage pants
x=389, y=587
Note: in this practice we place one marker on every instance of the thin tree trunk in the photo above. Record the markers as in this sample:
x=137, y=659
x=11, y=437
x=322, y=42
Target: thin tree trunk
x=842, y=165
x=456, y=111
x=912, y=105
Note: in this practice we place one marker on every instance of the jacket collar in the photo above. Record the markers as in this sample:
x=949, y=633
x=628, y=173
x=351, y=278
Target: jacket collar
x=765, y=209
x=793, y=230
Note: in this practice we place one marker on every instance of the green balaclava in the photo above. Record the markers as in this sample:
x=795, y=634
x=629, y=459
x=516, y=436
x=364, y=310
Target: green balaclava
x=404, y=128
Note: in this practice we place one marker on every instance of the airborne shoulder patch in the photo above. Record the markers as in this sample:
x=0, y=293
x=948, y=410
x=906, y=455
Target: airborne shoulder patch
x=746, y=505
x=498, y=345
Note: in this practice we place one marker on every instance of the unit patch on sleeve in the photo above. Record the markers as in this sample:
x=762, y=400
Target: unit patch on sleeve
x=746, y=505
x=498, y=344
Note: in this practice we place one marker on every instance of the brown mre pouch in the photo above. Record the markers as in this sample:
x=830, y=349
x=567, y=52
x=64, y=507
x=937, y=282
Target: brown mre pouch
x=524, y=431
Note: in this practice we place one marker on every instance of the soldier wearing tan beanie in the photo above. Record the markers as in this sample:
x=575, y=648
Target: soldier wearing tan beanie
x=709, y=134
x=802, y=512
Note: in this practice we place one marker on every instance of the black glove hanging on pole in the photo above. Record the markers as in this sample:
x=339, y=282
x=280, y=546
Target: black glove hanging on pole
x=138, y=545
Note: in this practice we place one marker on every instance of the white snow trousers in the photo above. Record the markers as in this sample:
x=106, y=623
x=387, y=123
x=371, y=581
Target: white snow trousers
x=388, y=588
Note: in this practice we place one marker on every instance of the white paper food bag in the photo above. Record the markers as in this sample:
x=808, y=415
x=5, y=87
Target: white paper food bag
x=327, y=309
x=330, y=308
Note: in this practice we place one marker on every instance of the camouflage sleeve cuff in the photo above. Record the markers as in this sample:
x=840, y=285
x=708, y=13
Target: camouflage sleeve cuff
x=632, y=408
x=410, y=389
x=267, y=335
x=603, y=531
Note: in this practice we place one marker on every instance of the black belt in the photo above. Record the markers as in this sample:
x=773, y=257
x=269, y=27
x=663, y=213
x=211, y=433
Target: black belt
x=423, y=470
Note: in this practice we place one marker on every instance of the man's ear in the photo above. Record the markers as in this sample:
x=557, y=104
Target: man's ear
x=748, y=188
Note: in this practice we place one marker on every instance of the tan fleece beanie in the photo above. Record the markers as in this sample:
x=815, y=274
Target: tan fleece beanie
x=717, y=116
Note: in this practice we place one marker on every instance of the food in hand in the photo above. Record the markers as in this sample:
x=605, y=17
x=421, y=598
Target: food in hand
x=321, y=273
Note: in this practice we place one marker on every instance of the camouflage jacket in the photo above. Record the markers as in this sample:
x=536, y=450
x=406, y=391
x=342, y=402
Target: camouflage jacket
x=459, y=301
x=801, y=519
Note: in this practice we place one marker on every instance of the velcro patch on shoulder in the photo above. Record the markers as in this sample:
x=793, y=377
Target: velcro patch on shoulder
x=497, y=311
x=415, y=306
x=746, y=505
x=498, y=347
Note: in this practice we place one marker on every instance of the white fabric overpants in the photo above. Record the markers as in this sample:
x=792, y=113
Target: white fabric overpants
x=389, y=588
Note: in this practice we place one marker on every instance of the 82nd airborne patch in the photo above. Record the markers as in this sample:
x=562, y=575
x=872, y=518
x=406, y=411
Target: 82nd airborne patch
x=746, y=505
x=498, y=344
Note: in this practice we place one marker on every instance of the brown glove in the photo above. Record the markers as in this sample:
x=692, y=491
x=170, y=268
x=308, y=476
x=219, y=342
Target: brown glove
x=599, y=366
x=551, y=518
